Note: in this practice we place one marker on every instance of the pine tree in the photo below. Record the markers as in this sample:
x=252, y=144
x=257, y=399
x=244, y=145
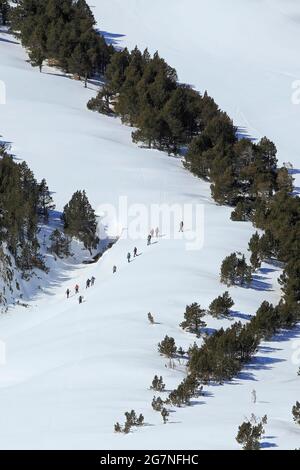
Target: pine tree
x=132, y=420
x=165, y=415
x=267, y=320
x=80, y=220
x=117, y=428
x=182, y=395
x=158, y=384
x=228, y=269
x=243, y=211
x=296, y=412
x=60, y=244
x=4, y=11
x=220, y=307
x=151, y=318
x=180, y=351
x=45, y=200
x=234, y=270
x=250, y=433
x=193, y=319
x=255, y=248
x=62, y=32
x=157, y=404
x=167, y=347
x=19, y=212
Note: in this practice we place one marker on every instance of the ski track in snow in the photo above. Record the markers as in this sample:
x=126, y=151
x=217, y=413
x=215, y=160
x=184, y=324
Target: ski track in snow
x=72, y=371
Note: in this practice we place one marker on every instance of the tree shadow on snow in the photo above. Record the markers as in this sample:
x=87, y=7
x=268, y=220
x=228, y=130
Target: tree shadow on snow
x=259, y=283
x=242, y=133
x=286, y=335
x=268, y=445
x=294, y=171
x=4, y=30
x=8, y=40
x=262, y=363
x=112, y=39
x=242, y=316
x=266, y=271
x=209, y=331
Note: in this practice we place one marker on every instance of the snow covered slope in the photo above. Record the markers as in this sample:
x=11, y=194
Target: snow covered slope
x=244, y=52
x=72, y=371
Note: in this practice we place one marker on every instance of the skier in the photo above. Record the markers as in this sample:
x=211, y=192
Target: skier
x=157, y=232
x=114, y=269
x=152, y=232
x=253, y=395
x=80, y=299
x=181, y=227
x=68, y=293
x=135, y=252
x=93, y=279
x=88, y=283
x=76, y=289
x=128, y=257
x=149, y=240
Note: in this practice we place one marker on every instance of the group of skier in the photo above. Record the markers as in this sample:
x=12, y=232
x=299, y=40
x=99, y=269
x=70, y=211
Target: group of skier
x=135, y=254
x=89, y=283
x=151, y=235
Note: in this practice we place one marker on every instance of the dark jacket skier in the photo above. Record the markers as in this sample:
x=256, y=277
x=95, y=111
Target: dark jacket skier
x=128, y=257
x=68, y=293
x=149, y=240
x=135, y=252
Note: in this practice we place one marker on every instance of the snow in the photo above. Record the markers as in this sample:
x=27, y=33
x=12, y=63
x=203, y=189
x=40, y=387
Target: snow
x=244, y=52
x=72, y=371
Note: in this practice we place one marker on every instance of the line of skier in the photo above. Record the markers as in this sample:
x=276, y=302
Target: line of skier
x=91, y=282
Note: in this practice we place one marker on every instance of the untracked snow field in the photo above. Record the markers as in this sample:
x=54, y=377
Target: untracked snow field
x=69, y=372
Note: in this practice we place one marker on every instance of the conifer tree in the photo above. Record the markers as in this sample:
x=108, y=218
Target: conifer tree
x=193, y=319
x=267, y=320
x=62, y=32
x=117, y=428
x=167, y=347
x=234, y=270
x=45, y=200
x=188, y=388
x=157, y=404
x=255, y=248
x=4, y=11
x=158, y=384
x=250, y=433
x=296, y=412
x=60, y=244
x=151, y=318
x=80, y=220
x=165, y=415
x=220, y=307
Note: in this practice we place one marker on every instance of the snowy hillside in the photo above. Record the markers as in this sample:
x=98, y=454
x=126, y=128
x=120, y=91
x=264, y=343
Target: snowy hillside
x=72, y=371
x=242, y=52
